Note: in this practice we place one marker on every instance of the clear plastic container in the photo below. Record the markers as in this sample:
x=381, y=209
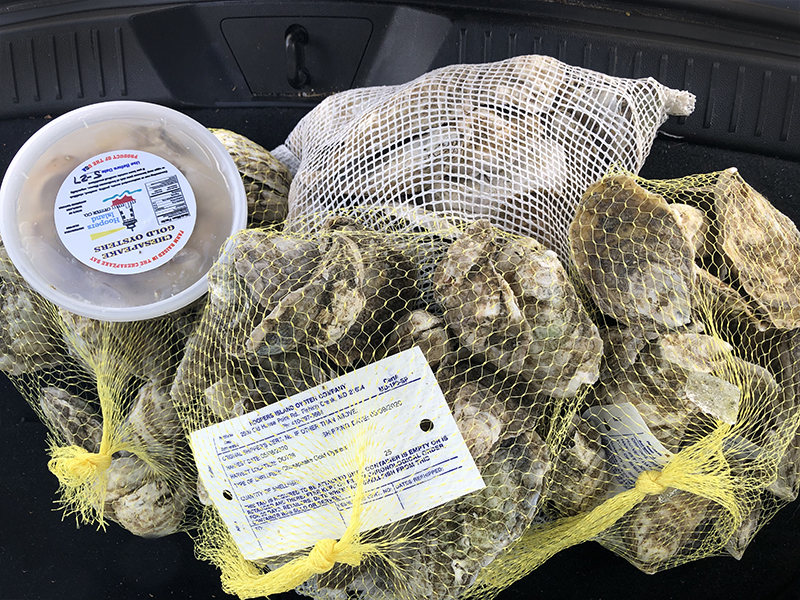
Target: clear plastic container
x=117, y=210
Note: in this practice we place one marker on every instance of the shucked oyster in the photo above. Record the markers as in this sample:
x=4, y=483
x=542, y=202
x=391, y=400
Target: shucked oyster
x=266, y=180
x=762, y=248
x=632, y=254
x=510, y=300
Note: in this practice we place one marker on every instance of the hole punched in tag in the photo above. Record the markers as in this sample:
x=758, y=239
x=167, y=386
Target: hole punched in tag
x=296, y=40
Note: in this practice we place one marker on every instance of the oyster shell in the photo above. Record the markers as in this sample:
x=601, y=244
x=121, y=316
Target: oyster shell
x=321, y=312
x=694, y=224
x=660, y=529
x=582, y=475
x=714, y=300
x=73, y=418
x=142, y=502
x=632, y=255
x=762, y=248
x=744, y=534
x=350, y=303
x=621, y=347
x=28, y=339
x=671, y=398
x=389, y=289
x=266, y=180
x=510, y=300
x=423, y=329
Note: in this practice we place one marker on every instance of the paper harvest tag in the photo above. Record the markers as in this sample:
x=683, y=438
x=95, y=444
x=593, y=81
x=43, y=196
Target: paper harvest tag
x=282, y=476
x=630, y=446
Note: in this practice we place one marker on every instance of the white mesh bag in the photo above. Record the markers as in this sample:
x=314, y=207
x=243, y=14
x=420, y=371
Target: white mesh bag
x=516, y=141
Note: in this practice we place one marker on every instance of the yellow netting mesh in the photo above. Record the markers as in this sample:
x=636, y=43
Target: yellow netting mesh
x=115, y=442
x=696, y=286
x=508, y=338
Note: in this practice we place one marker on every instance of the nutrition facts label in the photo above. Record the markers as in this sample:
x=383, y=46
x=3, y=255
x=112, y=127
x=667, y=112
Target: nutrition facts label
x=631, y=448
x=166, y=196
x=283, y=477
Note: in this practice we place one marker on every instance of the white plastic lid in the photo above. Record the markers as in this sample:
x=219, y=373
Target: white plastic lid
x=116, y=211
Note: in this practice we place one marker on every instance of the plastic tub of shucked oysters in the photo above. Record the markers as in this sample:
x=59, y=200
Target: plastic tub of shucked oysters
x=117, y=211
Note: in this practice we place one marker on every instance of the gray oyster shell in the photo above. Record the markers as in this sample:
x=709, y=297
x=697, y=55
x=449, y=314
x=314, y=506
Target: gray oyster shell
x=144, y=503
x=74, y=419
x=510, y=300
x=425, y=330
x=266, y=180
x=28, y=341
x=660, y=529
x=762, y=248
x=745, y=533
x=582, y=474
x=632, y=255
x=350, y=304
x=672, y=397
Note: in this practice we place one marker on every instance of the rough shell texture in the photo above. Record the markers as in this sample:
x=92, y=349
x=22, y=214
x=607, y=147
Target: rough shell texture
x=266, y=180
x=425, y=330
x=510, y=300
x=389, y=286
x=715, y=300
x=321, y=312
x=762, y=247
x=670, y=398
x=632, y=255
x=27, y=337
x=75, y=420
x=660, y=528
x=581, y=475
x=142, y=502
x=694, y=224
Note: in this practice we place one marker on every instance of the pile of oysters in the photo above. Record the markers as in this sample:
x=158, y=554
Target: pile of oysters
x=698, y=304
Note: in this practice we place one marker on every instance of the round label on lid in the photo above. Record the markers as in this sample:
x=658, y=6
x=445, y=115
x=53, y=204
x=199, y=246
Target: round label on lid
x=125, y=212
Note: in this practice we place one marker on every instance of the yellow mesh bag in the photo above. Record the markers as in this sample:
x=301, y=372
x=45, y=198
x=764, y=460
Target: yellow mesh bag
x=102, y=388
x=510, y=344
x=687, y=443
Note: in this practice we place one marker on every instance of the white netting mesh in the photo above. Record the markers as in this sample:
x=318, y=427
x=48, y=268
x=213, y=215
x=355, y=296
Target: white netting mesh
x=516, y=142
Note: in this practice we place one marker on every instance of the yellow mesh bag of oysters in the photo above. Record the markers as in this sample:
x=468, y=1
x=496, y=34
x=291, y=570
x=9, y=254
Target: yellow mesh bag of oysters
x=103, y=388
x=354, y=432
x=688, y=442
